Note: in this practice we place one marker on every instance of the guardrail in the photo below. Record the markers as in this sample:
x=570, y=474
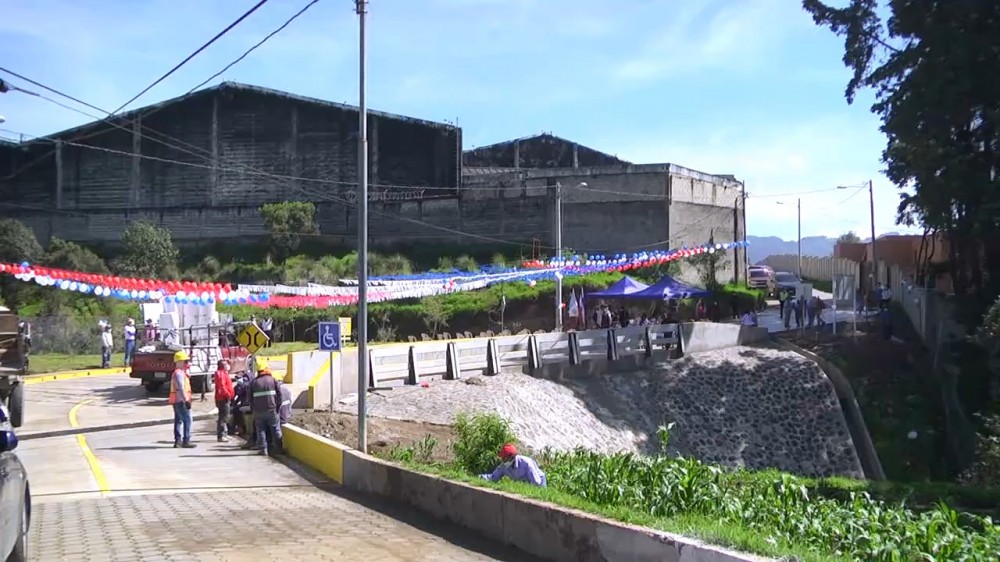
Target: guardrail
x=424, y=361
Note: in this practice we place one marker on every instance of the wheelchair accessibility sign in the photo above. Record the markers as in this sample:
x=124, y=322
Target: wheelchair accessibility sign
x=329, y=336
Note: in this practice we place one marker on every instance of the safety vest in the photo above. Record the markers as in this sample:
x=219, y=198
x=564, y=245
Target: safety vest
x=173, y=387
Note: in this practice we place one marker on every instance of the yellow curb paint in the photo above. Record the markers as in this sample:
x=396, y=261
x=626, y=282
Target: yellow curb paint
x=316, y=378
x=95, y=465
x=69, y=375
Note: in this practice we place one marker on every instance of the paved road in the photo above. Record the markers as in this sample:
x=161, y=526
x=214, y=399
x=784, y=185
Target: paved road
x=129, y=495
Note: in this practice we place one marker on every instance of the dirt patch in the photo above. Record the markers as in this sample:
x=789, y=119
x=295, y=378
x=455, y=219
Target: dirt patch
x=383, y=434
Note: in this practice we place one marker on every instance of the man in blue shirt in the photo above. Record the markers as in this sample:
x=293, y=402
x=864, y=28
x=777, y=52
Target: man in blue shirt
x=516, y=467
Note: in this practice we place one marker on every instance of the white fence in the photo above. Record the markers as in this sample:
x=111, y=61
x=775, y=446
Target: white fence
x=819, y=269
x=421, y=361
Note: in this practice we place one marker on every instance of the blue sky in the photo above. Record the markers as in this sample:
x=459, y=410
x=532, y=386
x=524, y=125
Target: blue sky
x=747, y=87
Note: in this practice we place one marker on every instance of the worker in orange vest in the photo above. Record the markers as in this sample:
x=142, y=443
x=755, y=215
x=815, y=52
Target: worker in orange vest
x=180, y=400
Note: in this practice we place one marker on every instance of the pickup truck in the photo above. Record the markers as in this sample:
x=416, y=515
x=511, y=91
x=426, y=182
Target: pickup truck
x=154, y=363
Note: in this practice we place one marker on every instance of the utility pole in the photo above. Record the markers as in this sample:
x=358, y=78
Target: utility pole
x=559, y=256
x=871, y=210
x=361, y=7
x=798, y=205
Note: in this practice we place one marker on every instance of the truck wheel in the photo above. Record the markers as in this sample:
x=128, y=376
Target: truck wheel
x=16, y=405
x=153, y=386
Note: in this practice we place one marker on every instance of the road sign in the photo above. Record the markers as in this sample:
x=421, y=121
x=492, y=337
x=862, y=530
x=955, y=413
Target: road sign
x=329, y=336
x=252, y=338
x=345, y=328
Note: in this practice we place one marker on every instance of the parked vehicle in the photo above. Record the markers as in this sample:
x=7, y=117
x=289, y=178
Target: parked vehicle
x=14, y=349
x=206, y=345
x=785, y=281
x=761, y=277
x=15, y=496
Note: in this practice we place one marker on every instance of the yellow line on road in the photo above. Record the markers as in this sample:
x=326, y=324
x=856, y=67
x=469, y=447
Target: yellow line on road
x=95, y=466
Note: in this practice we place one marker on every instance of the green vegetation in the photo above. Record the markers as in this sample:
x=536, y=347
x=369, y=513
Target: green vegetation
x=287, y=223
x=764, y=512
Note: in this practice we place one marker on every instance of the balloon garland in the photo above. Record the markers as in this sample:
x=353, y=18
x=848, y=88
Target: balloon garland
x=383, y=288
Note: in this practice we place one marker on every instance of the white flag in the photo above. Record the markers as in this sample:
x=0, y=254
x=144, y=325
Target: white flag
x=574, y=307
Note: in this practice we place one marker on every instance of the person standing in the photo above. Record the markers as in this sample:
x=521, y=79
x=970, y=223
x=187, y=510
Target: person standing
x=180, y=400
x=264, y=404
x=224, y=394
x=268, y=327
x=107, y=346
x=129, y=341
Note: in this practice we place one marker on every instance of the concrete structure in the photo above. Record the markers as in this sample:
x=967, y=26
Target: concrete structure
x=203, y=163
x=544, y=530
x=624, y=207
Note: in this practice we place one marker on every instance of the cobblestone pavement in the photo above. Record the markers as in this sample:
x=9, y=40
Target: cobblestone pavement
x=303, y=524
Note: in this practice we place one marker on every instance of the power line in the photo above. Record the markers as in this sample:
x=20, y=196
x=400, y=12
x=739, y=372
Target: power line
x=193, y=55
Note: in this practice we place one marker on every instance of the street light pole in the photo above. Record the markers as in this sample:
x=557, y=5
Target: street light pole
x=559, y=256
x=798, y=206
x=871, y=211
x=361, y=7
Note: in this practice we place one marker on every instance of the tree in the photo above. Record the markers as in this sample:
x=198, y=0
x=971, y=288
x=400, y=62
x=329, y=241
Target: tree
x=70, y=255
x=939, y=103
x=147, y=251
x=708, y=266
x=286, y=223
x=849, y=238
x=17, y=244
x=435, y=315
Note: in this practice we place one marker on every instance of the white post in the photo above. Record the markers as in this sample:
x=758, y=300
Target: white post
x=361, y=8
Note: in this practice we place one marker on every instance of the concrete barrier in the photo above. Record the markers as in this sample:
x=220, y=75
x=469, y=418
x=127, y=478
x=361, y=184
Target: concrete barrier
x=711, y=336
x=547, y=531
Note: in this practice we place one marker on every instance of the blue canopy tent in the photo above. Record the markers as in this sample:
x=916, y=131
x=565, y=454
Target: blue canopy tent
x=626, y=286
x=669, y=288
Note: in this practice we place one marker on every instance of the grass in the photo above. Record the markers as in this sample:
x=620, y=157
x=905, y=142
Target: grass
x=763, y=512
x=59, y=362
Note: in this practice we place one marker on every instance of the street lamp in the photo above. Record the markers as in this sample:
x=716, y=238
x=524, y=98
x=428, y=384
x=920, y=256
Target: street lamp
x=559, y=250
x=798, y=206
x=871, y=212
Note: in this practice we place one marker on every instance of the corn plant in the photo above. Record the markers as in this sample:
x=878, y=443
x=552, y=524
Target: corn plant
x=478, y=441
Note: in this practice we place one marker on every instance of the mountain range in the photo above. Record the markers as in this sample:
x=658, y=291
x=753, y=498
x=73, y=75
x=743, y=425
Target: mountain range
x=819, y=246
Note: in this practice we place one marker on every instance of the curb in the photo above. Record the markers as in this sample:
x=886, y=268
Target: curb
x=112, y=427
x=69, y=375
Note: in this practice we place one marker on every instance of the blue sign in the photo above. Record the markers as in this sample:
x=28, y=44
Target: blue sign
x=329, y=336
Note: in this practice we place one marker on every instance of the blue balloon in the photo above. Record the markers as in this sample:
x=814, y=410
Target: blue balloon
x=241, y=300
x=168, y=299
x=211, y=300
x=253, y=298
x=182, y=300
x=265, y=297
x=24, y=264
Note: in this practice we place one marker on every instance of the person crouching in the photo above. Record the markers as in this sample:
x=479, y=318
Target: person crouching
x=516, y=467
x=264, y=404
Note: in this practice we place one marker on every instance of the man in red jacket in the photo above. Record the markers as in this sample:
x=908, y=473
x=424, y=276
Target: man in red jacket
x=224, y=395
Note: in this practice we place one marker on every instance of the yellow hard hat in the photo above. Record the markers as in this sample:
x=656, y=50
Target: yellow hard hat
x=181, y=356
x=262, y=365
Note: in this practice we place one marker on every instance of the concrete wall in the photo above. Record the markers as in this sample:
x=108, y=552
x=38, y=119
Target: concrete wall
x=697, y=337
x=544, y=530
x=819, y=269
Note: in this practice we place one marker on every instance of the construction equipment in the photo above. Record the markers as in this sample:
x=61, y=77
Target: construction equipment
x=15, y=346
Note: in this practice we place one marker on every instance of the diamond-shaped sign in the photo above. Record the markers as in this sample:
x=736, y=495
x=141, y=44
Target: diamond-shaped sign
x=252, y=338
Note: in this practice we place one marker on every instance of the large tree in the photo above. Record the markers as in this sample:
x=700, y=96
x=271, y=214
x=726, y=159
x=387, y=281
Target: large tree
x=286, y=223
x=933, y=66
x=849, y=237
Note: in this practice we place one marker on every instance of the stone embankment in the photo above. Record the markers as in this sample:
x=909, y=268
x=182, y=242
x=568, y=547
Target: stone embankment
x=752, y=407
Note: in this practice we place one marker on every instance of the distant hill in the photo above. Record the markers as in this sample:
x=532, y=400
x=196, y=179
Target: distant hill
x=818, y=246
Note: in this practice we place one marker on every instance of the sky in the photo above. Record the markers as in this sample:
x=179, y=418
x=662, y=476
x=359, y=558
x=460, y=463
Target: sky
x=750, y=88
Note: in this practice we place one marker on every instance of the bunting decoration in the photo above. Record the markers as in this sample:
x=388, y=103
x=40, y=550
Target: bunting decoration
x=383, y=288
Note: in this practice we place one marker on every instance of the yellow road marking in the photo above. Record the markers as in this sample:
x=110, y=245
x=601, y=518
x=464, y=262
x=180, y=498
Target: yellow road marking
x=95, y=466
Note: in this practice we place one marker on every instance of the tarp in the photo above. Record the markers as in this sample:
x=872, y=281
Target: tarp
x=669, y=288
x=625, y=286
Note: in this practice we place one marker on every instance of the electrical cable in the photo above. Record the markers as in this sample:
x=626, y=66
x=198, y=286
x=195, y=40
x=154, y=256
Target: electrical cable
x=193, y=55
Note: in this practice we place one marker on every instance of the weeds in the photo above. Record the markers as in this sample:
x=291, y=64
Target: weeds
x=478, y=440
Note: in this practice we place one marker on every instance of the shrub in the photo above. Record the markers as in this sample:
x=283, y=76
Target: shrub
x=479, y=439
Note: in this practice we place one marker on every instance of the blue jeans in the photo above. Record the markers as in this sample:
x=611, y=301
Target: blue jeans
x=264, y=423
x=182, y=419
x=129, y=351
x=105, y=357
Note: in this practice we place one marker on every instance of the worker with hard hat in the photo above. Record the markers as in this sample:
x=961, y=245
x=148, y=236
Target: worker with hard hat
x=516, y=467
x=264, y=401
x=180, y=400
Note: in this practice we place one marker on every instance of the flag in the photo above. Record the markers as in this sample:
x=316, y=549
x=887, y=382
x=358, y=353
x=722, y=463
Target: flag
x=573, y=307
x=583, y=314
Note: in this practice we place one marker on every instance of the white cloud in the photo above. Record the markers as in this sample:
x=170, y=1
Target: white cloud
x=735, y=36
